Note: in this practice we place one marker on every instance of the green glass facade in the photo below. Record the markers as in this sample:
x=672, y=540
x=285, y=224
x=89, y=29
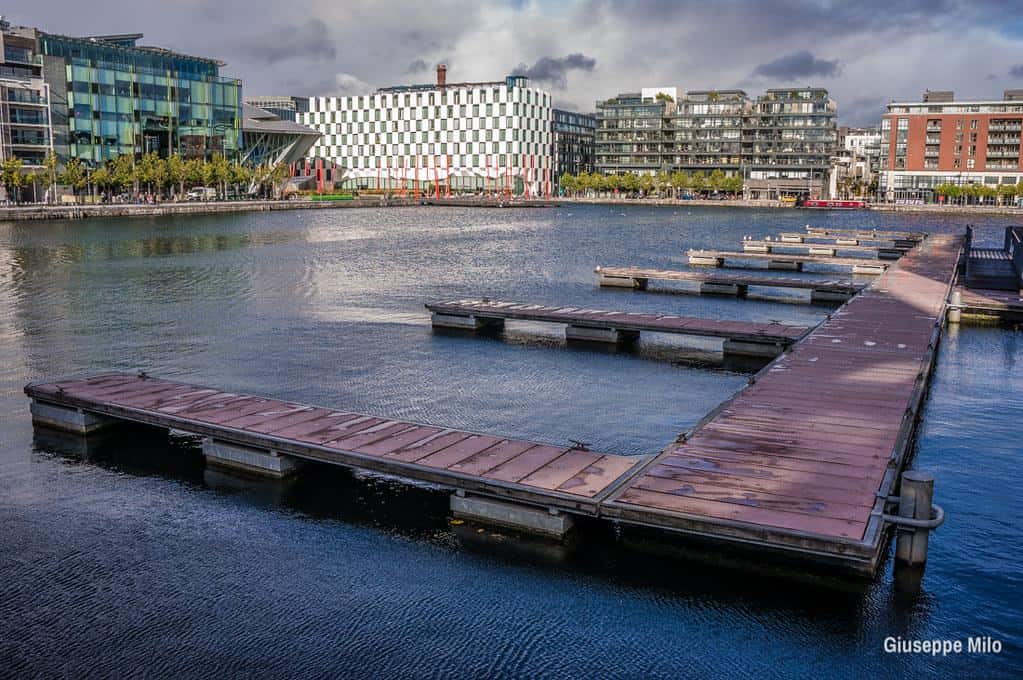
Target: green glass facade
x=128, y=100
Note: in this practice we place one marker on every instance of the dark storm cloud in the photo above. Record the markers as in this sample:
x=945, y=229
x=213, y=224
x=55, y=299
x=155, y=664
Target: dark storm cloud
x=1016, y=71
x=417, y=66
x=310, y=40
x=554, y=70
x=798, y=65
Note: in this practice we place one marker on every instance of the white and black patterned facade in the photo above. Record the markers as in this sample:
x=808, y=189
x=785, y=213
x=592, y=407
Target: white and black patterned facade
x=493, y=136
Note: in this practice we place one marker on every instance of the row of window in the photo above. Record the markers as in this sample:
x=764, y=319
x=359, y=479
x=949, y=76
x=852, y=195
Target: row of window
x=493, y=162
x=461, y=96
x=384, y=151
x=427, y=125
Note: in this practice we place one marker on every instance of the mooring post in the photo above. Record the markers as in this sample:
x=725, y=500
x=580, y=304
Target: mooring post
x=915, y=504
x=955, y=307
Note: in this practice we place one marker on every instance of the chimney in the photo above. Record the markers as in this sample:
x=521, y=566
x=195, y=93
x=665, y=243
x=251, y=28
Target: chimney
x=442, y=75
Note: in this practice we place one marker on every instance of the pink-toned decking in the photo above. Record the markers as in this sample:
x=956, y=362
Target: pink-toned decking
x=634, y=321
x=556, y=475
x=799, y=457
x=997, y=305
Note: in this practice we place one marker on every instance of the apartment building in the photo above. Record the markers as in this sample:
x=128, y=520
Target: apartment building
x=573, y=135
x=780, y=142
x=25, y=126
x=481, y=136
x=940, y=140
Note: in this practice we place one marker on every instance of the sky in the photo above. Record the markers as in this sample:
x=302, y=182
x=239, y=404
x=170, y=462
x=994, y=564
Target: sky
x=866, y=52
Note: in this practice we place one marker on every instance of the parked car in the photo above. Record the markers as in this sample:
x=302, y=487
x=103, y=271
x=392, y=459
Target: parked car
x=201, y=194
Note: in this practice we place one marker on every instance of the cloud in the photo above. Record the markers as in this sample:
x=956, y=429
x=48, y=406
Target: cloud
x=417, y=66
x=554, y=70
x=1016, y=71
x=347, y=84
x=308, y=41
x=801, y=64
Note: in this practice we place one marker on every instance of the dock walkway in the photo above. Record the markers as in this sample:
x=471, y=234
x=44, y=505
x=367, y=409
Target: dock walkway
x=248, y=432
x=802, y=459
x=830, y=249
x=594, y=325
x=786, y=261
x=721, y=283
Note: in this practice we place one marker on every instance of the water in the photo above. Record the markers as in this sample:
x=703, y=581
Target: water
x=128, y=557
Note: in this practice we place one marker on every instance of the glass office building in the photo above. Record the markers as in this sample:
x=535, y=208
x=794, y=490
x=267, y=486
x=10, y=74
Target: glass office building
x=113, y=97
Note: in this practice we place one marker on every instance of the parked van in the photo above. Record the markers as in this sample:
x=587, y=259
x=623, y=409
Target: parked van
x=201, y=194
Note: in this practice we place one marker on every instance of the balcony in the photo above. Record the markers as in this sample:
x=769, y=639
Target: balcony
x=1003, y=153
x=934, y=128
x=933, y=139
x=1006, y=128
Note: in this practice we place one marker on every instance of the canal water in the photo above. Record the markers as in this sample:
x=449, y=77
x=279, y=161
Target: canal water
x=127, y=556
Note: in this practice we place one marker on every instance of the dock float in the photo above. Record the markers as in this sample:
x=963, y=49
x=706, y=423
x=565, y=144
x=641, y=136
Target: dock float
x=798, y=237
x=804, y=460
x=986, y=307
x=784, y=261
x=524, y=484
x=720, y=283
x=908, y=238
x=829, y=249
x=742, y=338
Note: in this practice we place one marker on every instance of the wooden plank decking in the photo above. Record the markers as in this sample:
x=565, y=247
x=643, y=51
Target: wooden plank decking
x=549, y=475
x=739, y=258
x=800, y=460
x=623, y=321
x=843, y=286
x=868, y=233
x=842, y=240
x=984, y=305
x=831, y=248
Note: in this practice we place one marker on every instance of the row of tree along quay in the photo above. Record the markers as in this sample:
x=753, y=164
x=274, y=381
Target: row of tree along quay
x=676, y=184
x=127, y=178
x=979, y=194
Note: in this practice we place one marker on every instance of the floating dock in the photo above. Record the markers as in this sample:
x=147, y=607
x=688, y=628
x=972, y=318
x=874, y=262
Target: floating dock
x=271, y=437
x=742, y=338
x=802, y=463
x=990, y=306
x=784, y=261
x=829, y=249
x=720, y=283
x=804, y=459
x=913, y=237
x=798, y=237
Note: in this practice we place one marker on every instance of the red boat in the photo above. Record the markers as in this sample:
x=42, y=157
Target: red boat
x=821, y=204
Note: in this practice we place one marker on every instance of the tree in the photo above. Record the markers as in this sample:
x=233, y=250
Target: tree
x=647, y=184
x=177, y=173
x=50, y=165
x=74, y=176
x=122, y=172
x=101, y=178
x=11, y=177
x=679, y=181
x=697, y=182
x=240, y=175
x=1006, y=192
x=219, y=173
x=716, y=181
x=195, y=171
x=664, y=97
x=567, y=182
x=733, y=184
x=278, y=176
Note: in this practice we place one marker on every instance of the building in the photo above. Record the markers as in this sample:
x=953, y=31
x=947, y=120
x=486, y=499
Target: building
x=573, y=142
x=112, y=97
x=781, y=142
x=438, y=137
x=98, y=97
x=940, y=140
x=285, y=108
x=25, y=127
x=269, y=139
x=855, y=166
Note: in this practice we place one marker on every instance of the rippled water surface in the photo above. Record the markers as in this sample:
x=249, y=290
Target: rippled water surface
x=127, y=556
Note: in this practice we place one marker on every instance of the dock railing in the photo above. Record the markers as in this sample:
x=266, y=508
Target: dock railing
x=1014, y=247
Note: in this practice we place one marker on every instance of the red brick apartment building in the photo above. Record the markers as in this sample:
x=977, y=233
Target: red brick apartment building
x=939, y=140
